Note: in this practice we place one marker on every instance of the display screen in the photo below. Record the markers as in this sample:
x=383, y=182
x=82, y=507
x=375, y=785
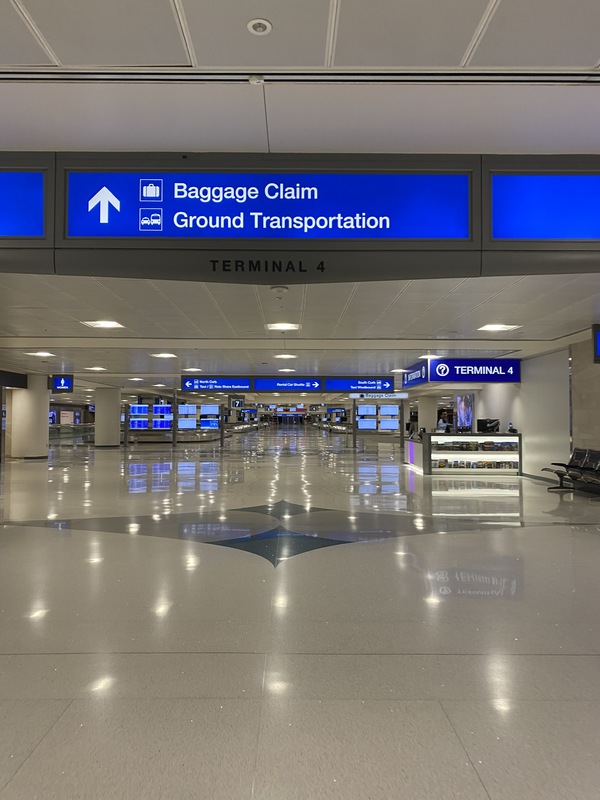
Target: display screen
x=367, y=424
x=272, y=407
x=161, y=409
x=464, y=410
x=366, y=411
x=138, y=424
x=184, y=409
x=161, y=424
x=389, y=411
x=187, y=423
x=209, y=423
x=138, y=409
x=388, y=425
x=204, y=410
x=62, y=384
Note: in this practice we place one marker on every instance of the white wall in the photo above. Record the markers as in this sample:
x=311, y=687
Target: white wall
x=585, y=393
x=545, y=408
x=500, y=401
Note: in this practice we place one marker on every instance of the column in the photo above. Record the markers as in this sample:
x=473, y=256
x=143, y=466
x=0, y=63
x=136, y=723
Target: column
x=107, y=423
x=27, y=419
x=428, y=412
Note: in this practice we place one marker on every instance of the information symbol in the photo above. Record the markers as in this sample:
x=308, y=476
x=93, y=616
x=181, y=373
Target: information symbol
x=442, y=370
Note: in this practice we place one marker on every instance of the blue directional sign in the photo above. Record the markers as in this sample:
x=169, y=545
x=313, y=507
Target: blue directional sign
x=293, y=205
x=62, y=384
x=415, y=375
x=476, y=370
x=209, y=423
x=359, y=384
x=596, y=341
x=21, y=204
x=545, y=207
x=287, y=384
x=214, y=384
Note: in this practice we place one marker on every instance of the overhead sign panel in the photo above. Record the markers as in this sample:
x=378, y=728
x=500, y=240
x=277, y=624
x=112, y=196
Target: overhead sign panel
x=415, y=375
x=476, y=370
x=359, y=384
x=62, y=384
x=290, y=205
x=287, y=384
x=21, y=204
x=546, y=207
x=214, y=384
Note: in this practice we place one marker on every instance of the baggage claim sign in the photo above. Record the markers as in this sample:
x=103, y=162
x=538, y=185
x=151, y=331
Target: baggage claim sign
x=228, y=205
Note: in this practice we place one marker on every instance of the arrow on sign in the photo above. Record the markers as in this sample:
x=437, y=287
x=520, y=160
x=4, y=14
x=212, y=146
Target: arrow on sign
x=104, y=197
x=315, y=385
x=188, y=384
x=386, y=384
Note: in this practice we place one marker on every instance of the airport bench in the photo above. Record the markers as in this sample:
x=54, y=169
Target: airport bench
x=583, y=468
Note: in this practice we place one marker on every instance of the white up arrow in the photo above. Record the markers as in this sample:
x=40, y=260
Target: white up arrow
x=104, y=197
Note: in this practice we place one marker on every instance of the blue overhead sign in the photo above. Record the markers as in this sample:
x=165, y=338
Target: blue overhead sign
x=359, y=384
x=62, y=384
x=475, y=370
x=214, y=384
x=415, y=375
x=545, y=207
x=287, y=384
x=21, y=204
x=291, y=205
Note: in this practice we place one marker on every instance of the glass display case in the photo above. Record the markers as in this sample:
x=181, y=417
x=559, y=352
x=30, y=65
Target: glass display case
x=437, y=453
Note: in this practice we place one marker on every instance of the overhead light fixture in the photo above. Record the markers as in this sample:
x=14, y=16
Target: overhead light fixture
x=41, y=354
x=398, y=370
x=163, y=355
x=287, y=370
x=282, y=326
x=286, y=355
x=260, y=27
x=159, y=385
x=191, y=369
x=96, y=369
x=499, y=327
x=428, y=356
x=102, y=323
x=135, y=379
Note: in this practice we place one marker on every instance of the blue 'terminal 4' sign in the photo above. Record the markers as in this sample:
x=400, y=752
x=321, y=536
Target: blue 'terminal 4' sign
x=358, y=384
x=21, y=204
x=545, y=207
x=475, y=370
x=210, y=205
x=215, y=384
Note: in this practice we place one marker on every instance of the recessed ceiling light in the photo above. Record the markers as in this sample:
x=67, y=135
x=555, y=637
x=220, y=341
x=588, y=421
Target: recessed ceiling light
x=259, y=27
x=96, y=369
x=192, y=369
x=287, y=370
x=135, y=379
x=497, y=327
x=102, y=323
x=282, y=326
x=275, y=394
x=159, y=385
x=429, y=356
x=398, y=370
x=286, y=355
x=42, y=354
x=163, y=355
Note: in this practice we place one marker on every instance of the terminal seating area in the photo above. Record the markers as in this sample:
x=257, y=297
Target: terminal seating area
x=581, y=472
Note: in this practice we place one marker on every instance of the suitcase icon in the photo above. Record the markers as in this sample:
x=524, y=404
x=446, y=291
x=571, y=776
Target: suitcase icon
x=151, y=190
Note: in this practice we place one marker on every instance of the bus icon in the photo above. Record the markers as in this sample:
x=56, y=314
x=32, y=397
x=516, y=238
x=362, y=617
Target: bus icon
x=151, y=219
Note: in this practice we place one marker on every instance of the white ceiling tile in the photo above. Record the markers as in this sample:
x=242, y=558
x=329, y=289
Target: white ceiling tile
x=17, y=43
x=405, y=33
x=541, y=33
x=138, y=32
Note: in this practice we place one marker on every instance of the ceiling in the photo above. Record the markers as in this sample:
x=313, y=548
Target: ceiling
x=395, y=76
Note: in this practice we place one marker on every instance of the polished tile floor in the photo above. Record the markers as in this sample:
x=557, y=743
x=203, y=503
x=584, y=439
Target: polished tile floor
x=292, y=620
